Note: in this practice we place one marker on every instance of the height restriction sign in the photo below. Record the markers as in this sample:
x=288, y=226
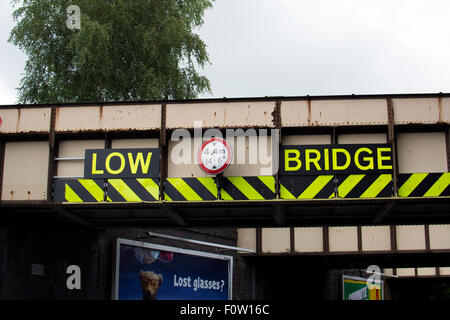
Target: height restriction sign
x=214, y=156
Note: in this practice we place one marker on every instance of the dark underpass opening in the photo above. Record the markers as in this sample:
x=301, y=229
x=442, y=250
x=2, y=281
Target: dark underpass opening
x=296, y=278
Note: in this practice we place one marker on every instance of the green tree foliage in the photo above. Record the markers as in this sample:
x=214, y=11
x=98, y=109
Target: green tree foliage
x=125, y=50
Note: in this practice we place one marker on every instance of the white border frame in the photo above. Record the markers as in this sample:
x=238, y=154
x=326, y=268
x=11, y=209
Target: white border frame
x=361, y=279
x=148, y=245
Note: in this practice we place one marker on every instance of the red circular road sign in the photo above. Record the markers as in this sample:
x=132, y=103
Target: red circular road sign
x=214, y=155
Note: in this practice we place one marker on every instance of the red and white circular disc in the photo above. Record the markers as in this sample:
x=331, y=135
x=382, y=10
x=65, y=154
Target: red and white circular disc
x=214, y=156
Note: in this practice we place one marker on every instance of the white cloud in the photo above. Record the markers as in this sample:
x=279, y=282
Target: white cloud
x=12, y=60
x=299, y=47
x=291, y=47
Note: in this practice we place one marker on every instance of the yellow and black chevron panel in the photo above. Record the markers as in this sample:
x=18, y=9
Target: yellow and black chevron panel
x=307, y=187
x=364, y=185
x=132, y=190
x=424, y=184
x=79, y=190
x=248, y=188
x=190, y=189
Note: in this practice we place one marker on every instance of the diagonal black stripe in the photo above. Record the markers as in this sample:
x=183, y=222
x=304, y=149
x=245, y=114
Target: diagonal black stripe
x=199, y=189
x=326, y=191
x=234, y=192
x=259, y=186
x=401, y=179
x=425, y=185
x=113, y=194
x=446, y=192
x=81, y=191
x=141, y=192
x=361, y=186
x=296, y=184
x=172, y=192
x=365, y=183
x=340, y=179
x=387, y=191
x=59, y=190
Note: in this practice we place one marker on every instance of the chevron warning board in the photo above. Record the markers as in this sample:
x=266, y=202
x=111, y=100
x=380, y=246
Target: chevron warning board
x=132, y=190
x=307, y=187
x=117, y=190
x=248, y=188
x=424, y=184
x=190, y=189
x=79, y=190
x=364, y=185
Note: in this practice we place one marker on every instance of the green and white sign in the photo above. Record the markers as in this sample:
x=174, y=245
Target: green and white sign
x=355, y=288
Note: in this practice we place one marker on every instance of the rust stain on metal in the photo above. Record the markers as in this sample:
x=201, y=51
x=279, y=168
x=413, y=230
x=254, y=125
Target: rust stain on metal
x=12, y=195
x=18, y=118
x=440, y=108
x=101, y=112
x=56, y=116
x=276, y=115
x=309, y=112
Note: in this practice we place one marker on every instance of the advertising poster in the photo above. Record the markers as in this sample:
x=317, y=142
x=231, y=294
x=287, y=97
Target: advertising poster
x=355, y=288
x=146, y=271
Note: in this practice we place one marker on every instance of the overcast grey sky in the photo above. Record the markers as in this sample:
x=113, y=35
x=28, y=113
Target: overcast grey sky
x=298, y=47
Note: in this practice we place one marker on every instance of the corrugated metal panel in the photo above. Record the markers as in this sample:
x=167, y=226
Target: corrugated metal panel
x=315, y=111
x=343, y=239
x=416, y=110
x=25, y=120
x=362, y=138
x=295, y=113
x=411, y=237
x=77, y=119
x=421, y=152
x=308, y=239
x=10, y=120
x=25, y=171
x=246, y=238
x=406, y=272
x=134, y=143
x=445, y=110
x=333, y=112
x=348, y=112
x=75, y=149
x=444, y=271
x=376, y=238
x=423, y=272
x=134, y=117
x=94, y=118
x=439, y=236
x=276, y=240
x=306, y=139
x=226, y=115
